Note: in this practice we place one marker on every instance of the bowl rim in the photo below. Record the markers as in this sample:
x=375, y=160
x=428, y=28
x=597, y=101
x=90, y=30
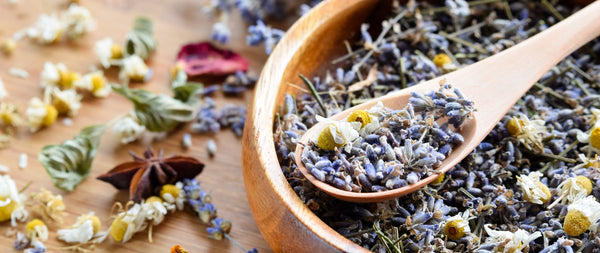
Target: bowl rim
x=260, y=129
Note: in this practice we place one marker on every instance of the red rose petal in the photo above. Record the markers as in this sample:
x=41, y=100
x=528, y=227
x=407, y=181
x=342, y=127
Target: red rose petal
x=205, y=59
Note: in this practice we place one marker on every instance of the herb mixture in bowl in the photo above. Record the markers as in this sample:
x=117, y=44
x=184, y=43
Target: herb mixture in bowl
x=530, y=185
x=380, y=148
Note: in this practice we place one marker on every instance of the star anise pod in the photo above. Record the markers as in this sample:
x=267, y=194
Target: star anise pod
x=145, y=175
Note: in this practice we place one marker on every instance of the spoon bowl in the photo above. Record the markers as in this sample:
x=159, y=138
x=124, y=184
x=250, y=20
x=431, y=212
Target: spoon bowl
x=494, y=84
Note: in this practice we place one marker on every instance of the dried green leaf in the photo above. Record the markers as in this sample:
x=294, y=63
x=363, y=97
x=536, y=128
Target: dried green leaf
x=188, y=93
x=159, y=113
x=70, y=162
x=140, y=40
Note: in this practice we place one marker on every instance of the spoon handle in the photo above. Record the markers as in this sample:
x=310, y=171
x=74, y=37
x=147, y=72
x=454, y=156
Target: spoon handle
x=497, y=82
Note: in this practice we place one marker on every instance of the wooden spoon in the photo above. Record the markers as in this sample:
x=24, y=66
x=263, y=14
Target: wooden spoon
x=494, y=84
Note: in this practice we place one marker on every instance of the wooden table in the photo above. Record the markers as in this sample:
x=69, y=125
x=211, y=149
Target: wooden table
x=176, y=23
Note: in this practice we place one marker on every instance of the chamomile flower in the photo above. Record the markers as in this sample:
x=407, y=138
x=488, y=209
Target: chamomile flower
x=155, y=209
x=58, y=75
x=127, y=223
x=107, y=50
x=128, y=128
x=46, y=30
x=66, y=102
x=77, y=21
x=173, y=194
x=509, y=241
x=457, y=226
x=573, y=189
x=135, y=69
x=9, y=114
x=444, y=62
x=50, y=205
x=534, y=191
x=40, y=114
x=337, y=134
x=582, y=215
x=85, y=228
x=11, y=202
x=527, y=132
x=95, y=83
x=36, y=230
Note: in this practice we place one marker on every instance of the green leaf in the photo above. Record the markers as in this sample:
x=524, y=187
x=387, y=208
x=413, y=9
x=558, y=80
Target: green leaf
x=140, y=40
x=188, y=93
x=70, y=162
x=159, y=113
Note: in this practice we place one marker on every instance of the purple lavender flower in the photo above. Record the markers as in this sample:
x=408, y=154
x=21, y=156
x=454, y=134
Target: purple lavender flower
x=260, y=33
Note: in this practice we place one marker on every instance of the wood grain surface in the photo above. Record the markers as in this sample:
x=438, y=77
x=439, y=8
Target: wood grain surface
x=176, y=23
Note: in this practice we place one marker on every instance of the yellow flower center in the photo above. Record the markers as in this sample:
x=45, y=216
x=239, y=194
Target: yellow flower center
x=326, y=141
x=514, y=126
x=98, y=82
x=56, y=205
x=595, y=138
x=178, y=249
x=171, y=189
x=30, y=227
x=6, y=211
x=576, y=223
x=153, y=199
x=175, y=70
x=95, y=222
x=439, y=179
x=67, y=78
x=51, y=114
x=8, y=46
x=441, y=59
x=453, y=231
x=585, y=183
x=116, y=51
x=361, y=116
x=9, y=118
x=118, y=229
x=62, y=107
x=545, y=190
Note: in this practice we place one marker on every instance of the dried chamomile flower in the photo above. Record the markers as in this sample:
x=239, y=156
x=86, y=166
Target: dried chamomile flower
x=48, y=205
x=11, y=202
x=457, y=226
x=46, y=30
x=66, y=102
x=155, y=209
x=582, y=215
x=77, y=21
x=135, y=69
x=8, y=46
x=9, y=114
x=107, y=50
x=444, y=62
x=40, y=114
x=361, y=116
x=58, y=75
x=36, y=230
x=509, y=241
x=573, y=189
x=85, y=229
x=337, y=133
x=128, y=128
x=127, y=223
x=95, y=83
x=528, y=132
x=173, y=194
x=534, y=191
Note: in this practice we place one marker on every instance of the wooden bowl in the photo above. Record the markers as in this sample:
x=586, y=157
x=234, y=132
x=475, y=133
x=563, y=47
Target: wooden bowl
x=285, y=222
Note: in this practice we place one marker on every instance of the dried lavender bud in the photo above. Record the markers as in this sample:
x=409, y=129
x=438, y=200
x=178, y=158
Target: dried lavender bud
x=186, y=140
